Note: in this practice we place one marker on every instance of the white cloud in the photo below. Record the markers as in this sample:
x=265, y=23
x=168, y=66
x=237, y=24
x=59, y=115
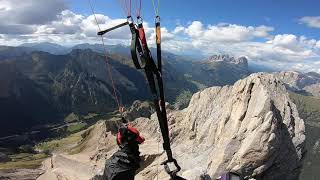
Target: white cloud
x=165, y=35
x=67, y=23
x=263, y=31
x=311, y=21
x=284, y=51
x=226, y=32
x=68, y=28
x=318, y=44
x=306, y=67
x=30, y=12
x=89, y=27
x=178, y=30
x=22, y=16
x=293, y=43
x=16, y=29
x=195, y=29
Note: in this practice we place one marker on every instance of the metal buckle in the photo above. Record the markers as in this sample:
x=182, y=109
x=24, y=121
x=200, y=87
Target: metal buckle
x=129, y=20
x=139, y=20
x=157, y=19
x=167, y=168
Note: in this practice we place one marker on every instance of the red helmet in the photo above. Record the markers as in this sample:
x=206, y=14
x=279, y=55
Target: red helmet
x=129, y=134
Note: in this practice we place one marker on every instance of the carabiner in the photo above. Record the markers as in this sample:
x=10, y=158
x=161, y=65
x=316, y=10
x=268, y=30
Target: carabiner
x=167, y=168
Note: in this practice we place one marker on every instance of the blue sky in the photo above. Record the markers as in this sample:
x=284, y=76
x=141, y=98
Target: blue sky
x=282, y=34
x=283, y=15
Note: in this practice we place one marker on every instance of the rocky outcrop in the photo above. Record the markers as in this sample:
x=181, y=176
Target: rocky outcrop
x=251, y=127
x=218, y=70
x=139, y=109
x=301, y=82
x=314, y=89
x=229, y=59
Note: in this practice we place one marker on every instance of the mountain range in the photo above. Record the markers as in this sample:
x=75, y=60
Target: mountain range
x=42, y=85
x=39, y=87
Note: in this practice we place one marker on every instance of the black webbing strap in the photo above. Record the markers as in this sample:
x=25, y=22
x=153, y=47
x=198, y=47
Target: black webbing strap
x=159, y=75
x=166, y=145
x=152, y=72
x=100, y=33
x=136, y=48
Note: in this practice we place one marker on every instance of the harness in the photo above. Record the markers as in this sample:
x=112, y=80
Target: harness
x=142, y=59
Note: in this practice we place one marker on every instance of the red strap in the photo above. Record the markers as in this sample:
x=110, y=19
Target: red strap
x=133, y=130
x=140, y=139
x=142, y=37
x=118, y=138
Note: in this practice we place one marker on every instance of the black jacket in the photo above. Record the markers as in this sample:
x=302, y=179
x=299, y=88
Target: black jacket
x=123, y=164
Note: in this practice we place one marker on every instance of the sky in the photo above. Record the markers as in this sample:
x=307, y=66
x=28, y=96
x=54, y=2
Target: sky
x=281, y=34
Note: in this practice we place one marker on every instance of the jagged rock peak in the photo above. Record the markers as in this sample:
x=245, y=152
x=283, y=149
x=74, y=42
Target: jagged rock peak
x=298, y=77
x=228, y=58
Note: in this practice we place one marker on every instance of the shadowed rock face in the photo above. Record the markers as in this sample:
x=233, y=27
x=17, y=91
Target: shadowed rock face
x=4, y=157
x=252, y=128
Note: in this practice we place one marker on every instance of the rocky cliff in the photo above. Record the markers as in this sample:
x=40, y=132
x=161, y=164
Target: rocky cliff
x=301, y=82
x=242, y=61
x=218, y=70
x=251, y=127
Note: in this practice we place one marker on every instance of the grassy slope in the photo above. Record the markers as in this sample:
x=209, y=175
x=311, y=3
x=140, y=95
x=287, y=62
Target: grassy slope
x=60, y=145
x=72, y=140
x=34, y=160
x=309, y=110
x=24, y=160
